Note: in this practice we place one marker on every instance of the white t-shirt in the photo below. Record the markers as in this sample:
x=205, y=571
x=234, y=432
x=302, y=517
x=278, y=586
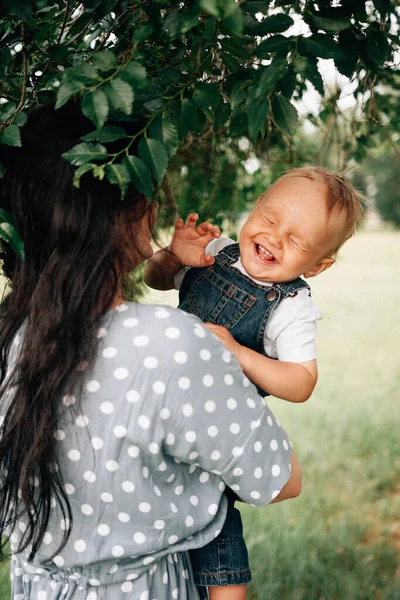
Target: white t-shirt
x=291, y=330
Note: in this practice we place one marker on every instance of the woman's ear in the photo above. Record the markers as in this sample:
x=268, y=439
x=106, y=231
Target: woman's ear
x=319, y=267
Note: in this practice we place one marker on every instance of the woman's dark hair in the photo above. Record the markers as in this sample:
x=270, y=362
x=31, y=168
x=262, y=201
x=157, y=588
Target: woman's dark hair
x=74, y=258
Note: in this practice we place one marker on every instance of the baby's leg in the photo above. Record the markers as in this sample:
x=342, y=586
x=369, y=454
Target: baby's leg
x=231, y=592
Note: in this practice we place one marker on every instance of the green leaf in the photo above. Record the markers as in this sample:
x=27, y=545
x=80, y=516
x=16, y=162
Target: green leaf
x=104, y=61
x=276, y=23
x=276, y=43
x=206, y=95
x=254, y=7
x=257, y=112
x=99, y=172
x=330, y=25
x=269, y=77
x=81, y=171
x=11, y=136
x=285, y=114
x=83, y=72
x=230, y=62
x=83, y=153
x=95, y=107
x=120, y=95
x=210, y=7
x=66, y=90
x=313, y=75
x=20, y=119
x=234, y=20
x=239, y=124
x=155, y=156
x=142, y=33
x=140, y=175
x=235, y=47
x=9, y=234
x=187, y=117
x=120, y=175
x=109, y=133
x=320, y=45
x=237, y=95
x=165, y=131
x=222, y=114
x=135, y=74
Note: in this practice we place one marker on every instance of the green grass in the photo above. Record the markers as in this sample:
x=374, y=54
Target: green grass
x=340, y=540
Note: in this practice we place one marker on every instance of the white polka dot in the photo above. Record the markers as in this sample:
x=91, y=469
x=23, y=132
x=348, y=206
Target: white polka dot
x=185, y=574
x=270, y=421
x=161, y=314
x=180, y=357
x=172, y=539
x=255, y=424
x=144, y=595
x=184, y=383
x=159, y=524
x=106, y=408
x=285, y=444
x=41, y=595
x=121, y=308
x=250, y=403
x=74, y=455
x=111, y=465
x=165, y=414
x=59, y=434
x=178, y=490
x=133, y=451
x=120, y=431
x=126, y=586
x=205, y=354
x=231, y=403
x=101, y=332
x=257, y=446
x=154, y=448
x=140, y=341
x=175, y=593
x=80, y=546
x=123, y=517
x=258, y=473
x=274, y=494
x=187, y=410
x=130, y=322
x=212, y=509
x=189, y=521
x=215, y=455
x=170, y=439
x=173, y=507
x=172, y=333
x=59, y=561
x=158, y=387
x=192, y=468
x=92, y=386
x=145, y=472
x=128, y=486
x=65, y=524
x=235, y=488
x=246, y=382
x=221, y=486
x=117, y=551
x=144, y=422
x=274, y=445
x=121, y=373
x=194, y=500
x=97, y=443
x=199, y=331
x=91, y=596
x=133, y=396
x=89, y=476
x=212, y=431
x=106, y=497
x=109, y=352
x=204, y=477
x=144, y=507
x=255, y=495
x=68, y=400
x=193, y=455
x=103, y=529
x=190, y=436
x=150, y=362
x=171, y=478
x=228, y=379
x=275, y=470
x=113, y=569
x=210, y=406
x=208, y=380
x=69, y=488
x=139, y=537
x=87, y=509
x=237, y=472
x=47, y=538
x=234, y=428
x=237, y=451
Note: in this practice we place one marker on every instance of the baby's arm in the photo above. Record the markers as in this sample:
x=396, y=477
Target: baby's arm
x=287, y=380
x=187, y=248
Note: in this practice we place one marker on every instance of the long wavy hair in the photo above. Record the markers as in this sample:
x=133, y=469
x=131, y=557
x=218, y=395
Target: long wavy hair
x=75, y=252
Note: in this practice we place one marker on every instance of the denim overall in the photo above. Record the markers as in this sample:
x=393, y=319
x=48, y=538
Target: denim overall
x=221, y=294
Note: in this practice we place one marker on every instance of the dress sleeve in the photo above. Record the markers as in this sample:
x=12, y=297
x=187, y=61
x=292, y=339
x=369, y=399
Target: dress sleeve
x=220, y=422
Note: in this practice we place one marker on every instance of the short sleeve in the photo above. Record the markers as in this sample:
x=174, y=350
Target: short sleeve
x=221, y=424
x=291, y=332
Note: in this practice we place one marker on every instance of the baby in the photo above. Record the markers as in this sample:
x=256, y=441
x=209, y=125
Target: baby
x=252, y=297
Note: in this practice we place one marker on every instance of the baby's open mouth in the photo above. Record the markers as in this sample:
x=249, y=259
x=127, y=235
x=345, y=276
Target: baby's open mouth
x=265, y=254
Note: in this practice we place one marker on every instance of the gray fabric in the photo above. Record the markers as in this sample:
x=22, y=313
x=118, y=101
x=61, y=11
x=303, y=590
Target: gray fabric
x=167, y=419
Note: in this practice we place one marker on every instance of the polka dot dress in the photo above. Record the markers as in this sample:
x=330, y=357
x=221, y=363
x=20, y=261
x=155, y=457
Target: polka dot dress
x=166, y=421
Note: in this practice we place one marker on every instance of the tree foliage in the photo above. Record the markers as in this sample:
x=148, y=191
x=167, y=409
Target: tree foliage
x=200, y=74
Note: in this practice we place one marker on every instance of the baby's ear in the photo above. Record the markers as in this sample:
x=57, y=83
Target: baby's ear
x=320, y=266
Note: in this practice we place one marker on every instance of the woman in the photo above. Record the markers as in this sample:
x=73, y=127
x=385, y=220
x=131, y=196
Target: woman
x=121, y=423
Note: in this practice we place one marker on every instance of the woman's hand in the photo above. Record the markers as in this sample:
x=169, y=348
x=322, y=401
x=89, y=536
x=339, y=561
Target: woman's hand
x=227, y=339
x=189, y=241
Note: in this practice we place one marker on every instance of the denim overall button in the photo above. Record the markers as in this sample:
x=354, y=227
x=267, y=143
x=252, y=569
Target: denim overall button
x=270, y=295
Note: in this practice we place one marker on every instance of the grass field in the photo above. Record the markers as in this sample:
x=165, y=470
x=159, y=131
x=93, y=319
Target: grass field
x=340, y=540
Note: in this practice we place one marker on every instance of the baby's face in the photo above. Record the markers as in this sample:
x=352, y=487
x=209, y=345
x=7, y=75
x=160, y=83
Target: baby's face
x=289, y=233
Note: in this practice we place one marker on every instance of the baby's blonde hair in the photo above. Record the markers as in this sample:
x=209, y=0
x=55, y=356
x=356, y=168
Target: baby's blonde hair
x=340, y=196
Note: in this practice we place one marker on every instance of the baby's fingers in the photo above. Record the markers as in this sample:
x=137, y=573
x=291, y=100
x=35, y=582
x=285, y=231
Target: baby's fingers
x=192, y=220
x=179, y=223
x=207, y=228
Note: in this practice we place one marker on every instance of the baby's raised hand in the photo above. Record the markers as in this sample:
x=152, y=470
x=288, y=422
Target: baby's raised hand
x=189, y=241
x=226, y=338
